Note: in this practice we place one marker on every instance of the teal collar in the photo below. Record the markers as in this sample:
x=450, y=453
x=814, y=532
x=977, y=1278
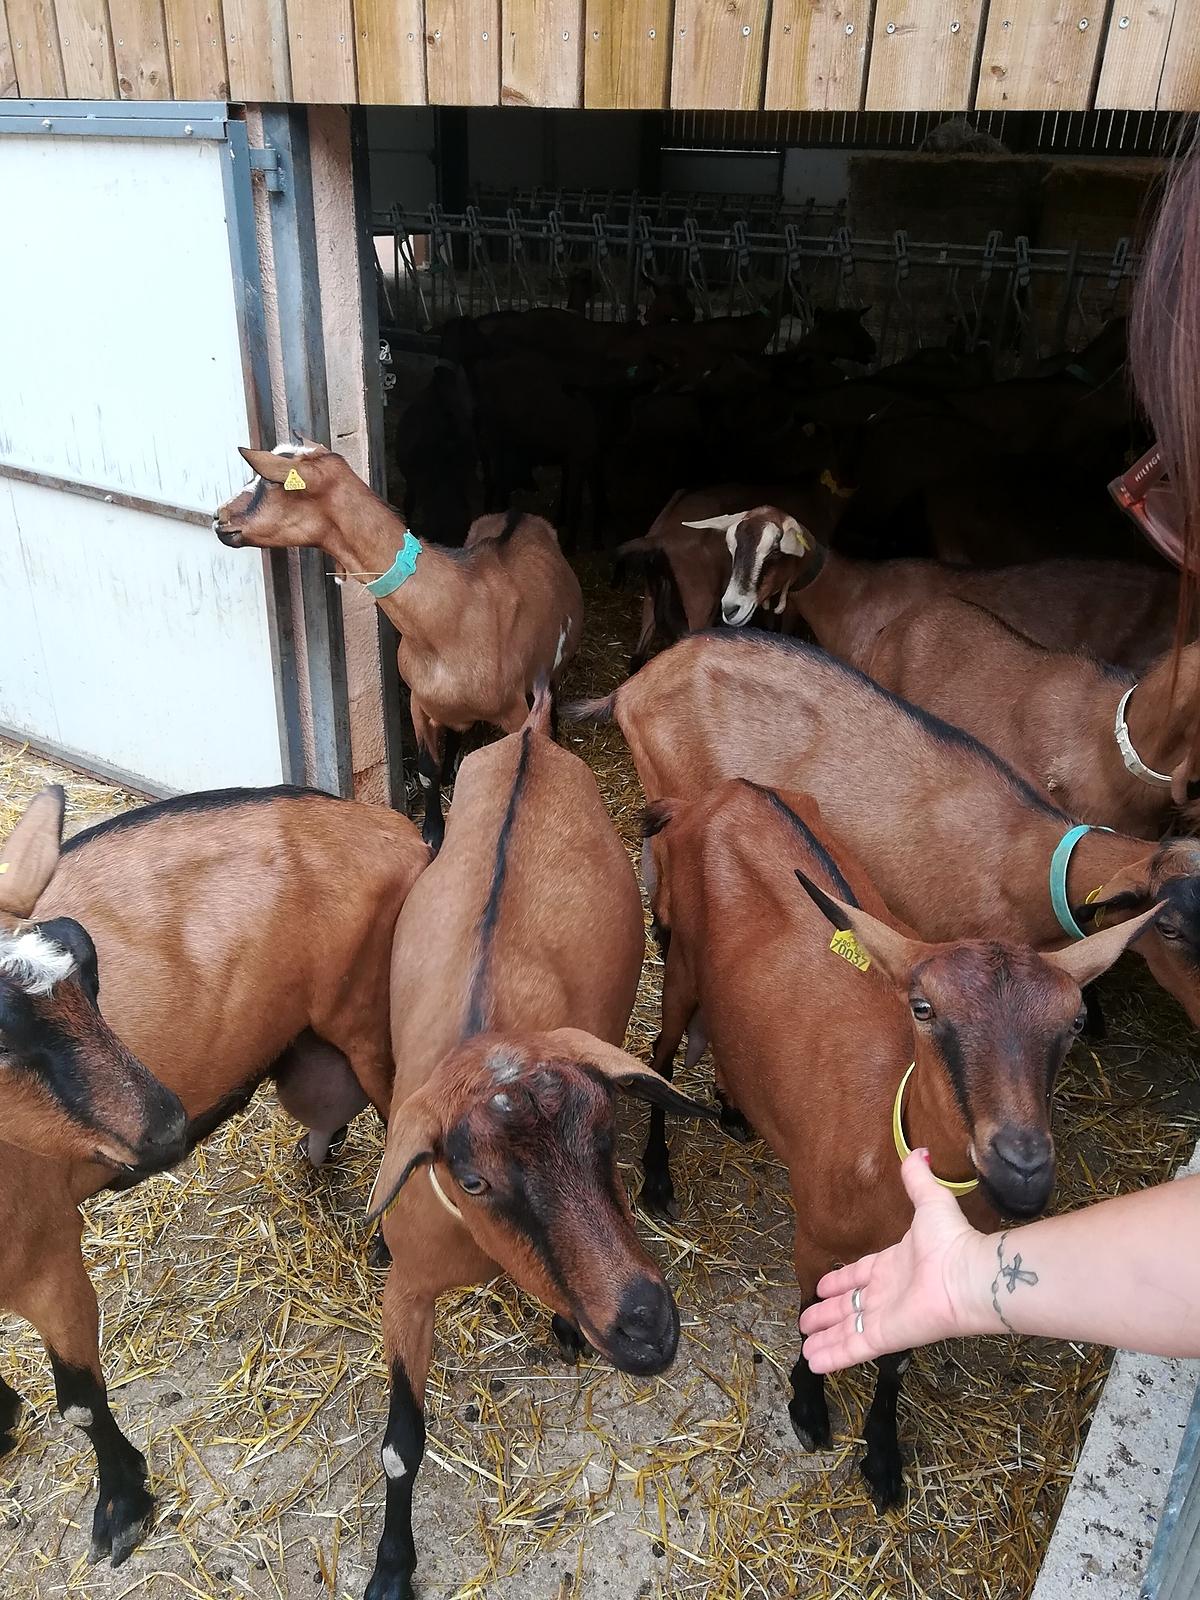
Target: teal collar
x=401, y=568
x=1059, y=862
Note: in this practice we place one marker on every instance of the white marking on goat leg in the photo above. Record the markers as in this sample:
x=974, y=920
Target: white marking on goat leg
x=393, y=1465
x=425, y=782
x=33, y=962
x=561, y=646
x=78, y=1416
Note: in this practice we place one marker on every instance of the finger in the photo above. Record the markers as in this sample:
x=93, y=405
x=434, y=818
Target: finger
x=825, y=1314
x=843, y=1279
x=923, y=1188
x=838, y=1347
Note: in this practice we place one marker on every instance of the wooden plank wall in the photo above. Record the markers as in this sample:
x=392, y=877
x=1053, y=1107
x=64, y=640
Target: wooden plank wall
x=778, y=55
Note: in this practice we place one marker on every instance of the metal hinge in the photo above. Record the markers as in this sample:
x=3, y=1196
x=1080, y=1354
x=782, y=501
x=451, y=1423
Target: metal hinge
x=266, y=161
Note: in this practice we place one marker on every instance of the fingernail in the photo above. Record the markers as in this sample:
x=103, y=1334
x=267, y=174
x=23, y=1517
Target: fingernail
x=924, y=1155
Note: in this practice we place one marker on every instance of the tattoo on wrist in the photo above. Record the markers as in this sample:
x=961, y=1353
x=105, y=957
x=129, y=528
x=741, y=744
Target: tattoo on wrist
x=1010, y=1275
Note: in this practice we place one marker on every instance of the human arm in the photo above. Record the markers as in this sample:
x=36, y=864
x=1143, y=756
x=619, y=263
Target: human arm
x=1123, y=1272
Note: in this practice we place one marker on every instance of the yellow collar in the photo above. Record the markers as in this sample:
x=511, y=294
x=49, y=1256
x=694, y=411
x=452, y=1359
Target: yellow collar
x=902, y=1145
x=442, y=1195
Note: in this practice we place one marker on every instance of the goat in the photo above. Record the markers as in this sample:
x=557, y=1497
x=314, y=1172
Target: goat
x=1071, y=723
x=1120, y=611
x=437, y=453
x=238, y=935
x=986, y=1026
x=683, y=562
x=478, y=627
x=958, y=843
x=514, y=971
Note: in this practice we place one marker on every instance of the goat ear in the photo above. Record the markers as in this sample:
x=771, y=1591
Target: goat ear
x=794, y=540
x=724, y=522
x=1087, y=958
x=30, y=854
x=893, y=953
x=266, y=463
x=624, y=1071
x=414, y=1129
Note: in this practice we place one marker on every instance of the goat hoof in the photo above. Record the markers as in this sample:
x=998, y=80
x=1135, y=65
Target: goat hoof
x=885, y=1480
x=813, y=1431
x=378, y=1254
x=735, y=1125
x=389, y=1583
x=658, y=1197
x=121, y=1522
x=572, y=1346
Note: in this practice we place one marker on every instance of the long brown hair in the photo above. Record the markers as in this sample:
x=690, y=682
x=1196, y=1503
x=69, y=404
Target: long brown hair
x=1164, y=359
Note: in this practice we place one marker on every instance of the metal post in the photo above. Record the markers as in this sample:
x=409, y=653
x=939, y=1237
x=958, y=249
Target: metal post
x=398, y=742
x=293, y=236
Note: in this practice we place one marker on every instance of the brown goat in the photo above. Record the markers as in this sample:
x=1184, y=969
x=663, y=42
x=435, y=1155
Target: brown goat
x=683, y=562
x=526, y=930
x=958, y=843
x=479, y=627
x=1120, y=611
x=238, y=935
x=986, y=1027
x=1057, y=715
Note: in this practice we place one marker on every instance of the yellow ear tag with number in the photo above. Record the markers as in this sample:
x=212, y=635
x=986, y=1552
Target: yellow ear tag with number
x=847, y=946
x=294, y=481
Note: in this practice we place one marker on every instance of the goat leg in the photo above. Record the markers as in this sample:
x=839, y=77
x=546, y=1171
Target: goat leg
x=61, y=1305
x=408, y=1338
x=808, y=1407
x=430, y=743
x=881, y=1466
x=658, y=1191
x=10, y=1416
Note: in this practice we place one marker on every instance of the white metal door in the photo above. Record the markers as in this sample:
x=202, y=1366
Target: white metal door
x=130, y=638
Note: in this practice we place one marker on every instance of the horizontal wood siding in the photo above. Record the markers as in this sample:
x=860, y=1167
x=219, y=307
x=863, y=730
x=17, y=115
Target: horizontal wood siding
x=707, y=55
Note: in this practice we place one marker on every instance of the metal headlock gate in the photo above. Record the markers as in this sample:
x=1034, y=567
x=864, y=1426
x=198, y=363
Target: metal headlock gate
x=1019, y=302
x=1173, y=1572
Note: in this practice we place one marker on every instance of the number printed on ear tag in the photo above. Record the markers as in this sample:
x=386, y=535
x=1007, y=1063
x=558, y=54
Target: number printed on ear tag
x=294, y=481
x=847, y=946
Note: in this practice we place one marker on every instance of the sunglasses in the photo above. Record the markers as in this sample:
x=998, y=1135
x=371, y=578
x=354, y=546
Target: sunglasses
x=1145, y=492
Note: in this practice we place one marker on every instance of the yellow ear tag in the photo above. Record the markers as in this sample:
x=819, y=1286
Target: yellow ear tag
x=294, y=481
x=847, y=946
x=828, y=481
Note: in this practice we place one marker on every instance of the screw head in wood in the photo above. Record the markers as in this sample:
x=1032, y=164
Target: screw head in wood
x=849, y=29
x=1123, y=23
x=1083, y=22
x=745, y=32
x=955, y=26
x=891, y=27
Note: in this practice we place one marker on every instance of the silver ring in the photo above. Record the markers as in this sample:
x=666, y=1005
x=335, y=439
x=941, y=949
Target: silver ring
x=856, y=1302
x=858, y=1323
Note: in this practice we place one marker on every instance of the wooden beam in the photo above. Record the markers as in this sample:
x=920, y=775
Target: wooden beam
x=8, y=67
x=256, y=40
x=1180, y=86
x=1040, y=55
x=140, y=47
x=33, y=32
x=720, y=51
x=923, y=55
x=321, y=38
x=817, y=59
x=627, y=54
x=196, y=45
x=541, y=53
x=462, y=52
x=1134, y=52
x=390, y=46
x=87, y=54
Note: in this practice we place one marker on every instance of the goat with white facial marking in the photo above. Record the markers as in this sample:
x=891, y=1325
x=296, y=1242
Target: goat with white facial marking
x=1118, y=610
x=480, y=627
x=526, y=931
x=238, y=936
x=953, y=1047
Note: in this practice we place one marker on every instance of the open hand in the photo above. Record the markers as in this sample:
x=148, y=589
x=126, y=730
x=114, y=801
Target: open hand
x=909, y=1292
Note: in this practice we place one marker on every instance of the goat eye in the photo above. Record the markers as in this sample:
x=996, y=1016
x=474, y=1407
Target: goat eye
x=922, y=1010
x=1080, y=1022
x=1168, y=930
x=472, y=1183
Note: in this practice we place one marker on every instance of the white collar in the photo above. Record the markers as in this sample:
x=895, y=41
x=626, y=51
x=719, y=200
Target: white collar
x=442, y=1195
x=1133, y=762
